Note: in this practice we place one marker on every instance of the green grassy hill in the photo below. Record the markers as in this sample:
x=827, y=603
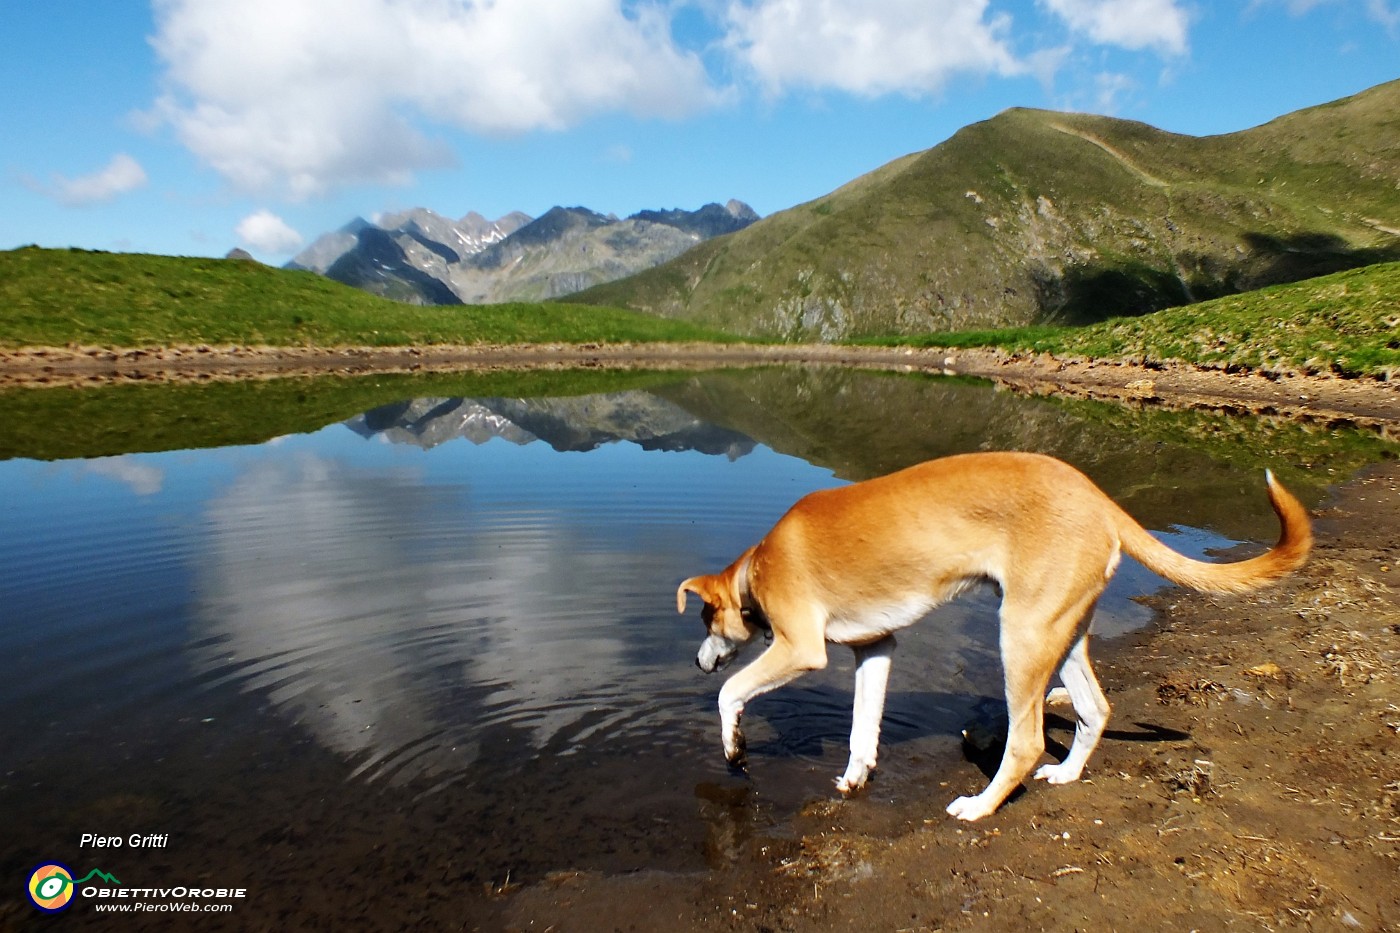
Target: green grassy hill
x=1347, y=323
x=1035, y=216
x=54, y=297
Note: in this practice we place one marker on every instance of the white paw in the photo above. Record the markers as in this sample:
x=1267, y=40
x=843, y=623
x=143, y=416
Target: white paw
x=1057, y=774
x=969, y=808
x=857, y=773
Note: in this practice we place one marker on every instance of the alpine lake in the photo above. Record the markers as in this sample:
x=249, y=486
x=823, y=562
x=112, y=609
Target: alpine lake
x=352, y=644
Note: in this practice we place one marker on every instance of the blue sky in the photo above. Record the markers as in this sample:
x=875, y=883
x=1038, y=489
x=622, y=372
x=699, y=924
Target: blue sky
x=189, y=127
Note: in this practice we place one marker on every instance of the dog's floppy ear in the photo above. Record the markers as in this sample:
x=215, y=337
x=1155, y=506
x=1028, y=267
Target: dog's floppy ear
x=693, y=585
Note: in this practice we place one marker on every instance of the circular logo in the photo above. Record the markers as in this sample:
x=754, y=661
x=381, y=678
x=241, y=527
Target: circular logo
x=51, y=887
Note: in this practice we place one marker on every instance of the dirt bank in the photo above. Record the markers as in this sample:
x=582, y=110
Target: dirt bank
x=1250, y=779
x=1363, y=402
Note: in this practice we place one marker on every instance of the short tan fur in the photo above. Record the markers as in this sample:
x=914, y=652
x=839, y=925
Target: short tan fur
x=855, y=564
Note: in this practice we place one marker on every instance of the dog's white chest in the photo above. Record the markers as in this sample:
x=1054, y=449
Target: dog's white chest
x=875, y=622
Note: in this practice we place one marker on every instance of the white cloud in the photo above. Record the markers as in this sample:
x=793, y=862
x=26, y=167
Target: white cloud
x=1387, y=14
x=265, y=232
x=143, y=478
x=1384, y=12
x=869, y=47
x=1131, y=24
x=119, y=176
x=1108, y=89
x=1295, y=7
x=295, y=98
x=618, y=154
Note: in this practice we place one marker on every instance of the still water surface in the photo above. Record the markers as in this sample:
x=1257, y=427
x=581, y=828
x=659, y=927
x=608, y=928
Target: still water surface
x=443, y=633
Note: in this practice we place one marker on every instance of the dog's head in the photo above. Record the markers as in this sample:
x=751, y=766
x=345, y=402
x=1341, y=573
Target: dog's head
x=729, y=623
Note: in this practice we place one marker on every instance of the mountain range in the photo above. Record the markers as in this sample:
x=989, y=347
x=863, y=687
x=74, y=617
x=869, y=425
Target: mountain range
x=420, y=257
x=1037, y=216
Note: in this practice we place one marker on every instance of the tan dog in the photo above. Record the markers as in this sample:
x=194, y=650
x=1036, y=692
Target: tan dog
x=853, y=565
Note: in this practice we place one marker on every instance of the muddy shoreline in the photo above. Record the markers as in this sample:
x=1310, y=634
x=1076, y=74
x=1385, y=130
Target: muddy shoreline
x=1367, y=403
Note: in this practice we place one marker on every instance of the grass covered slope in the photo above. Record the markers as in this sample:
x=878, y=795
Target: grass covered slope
x=1034, y=216
x=54, y=297
x=1347, y=323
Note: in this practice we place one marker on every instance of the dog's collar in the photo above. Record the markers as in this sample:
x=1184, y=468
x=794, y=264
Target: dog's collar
x=748, y=606
x=753, y=613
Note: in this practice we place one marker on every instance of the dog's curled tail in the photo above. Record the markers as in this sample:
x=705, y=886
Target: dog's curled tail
x=1291, y=551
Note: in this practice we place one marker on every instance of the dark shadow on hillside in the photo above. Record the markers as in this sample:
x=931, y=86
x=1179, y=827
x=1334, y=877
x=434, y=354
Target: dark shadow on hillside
x=1092, y=293
x=1088, y=294
x=1308, y=255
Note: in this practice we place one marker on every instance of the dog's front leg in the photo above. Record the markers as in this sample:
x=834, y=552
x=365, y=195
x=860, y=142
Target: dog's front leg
x=730, y=712
x=872, y=677
x=779, y=664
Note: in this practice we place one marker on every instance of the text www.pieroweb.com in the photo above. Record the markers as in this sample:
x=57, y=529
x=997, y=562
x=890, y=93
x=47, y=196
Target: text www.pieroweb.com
x=166, y=900
x=181, y=907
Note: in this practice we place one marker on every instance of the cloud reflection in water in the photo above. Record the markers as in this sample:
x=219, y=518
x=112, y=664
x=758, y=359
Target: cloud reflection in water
x=410, y=606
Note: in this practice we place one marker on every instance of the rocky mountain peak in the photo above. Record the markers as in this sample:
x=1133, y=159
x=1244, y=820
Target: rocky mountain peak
x=741, y=211
x=709, y=221
x=419, y=255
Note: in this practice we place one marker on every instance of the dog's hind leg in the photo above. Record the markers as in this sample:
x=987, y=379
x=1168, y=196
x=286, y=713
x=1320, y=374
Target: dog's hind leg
x=1090, y=708
x=872, y=676
x=1031, y=643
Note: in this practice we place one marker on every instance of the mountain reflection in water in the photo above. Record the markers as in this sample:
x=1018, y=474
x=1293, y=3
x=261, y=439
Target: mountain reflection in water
x=566, y=424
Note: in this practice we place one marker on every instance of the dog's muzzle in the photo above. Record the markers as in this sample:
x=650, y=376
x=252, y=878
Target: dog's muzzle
x=715, y=653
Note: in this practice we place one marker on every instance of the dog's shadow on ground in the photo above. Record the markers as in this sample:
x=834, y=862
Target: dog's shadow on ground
x=984, y=743
x=815, y=722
